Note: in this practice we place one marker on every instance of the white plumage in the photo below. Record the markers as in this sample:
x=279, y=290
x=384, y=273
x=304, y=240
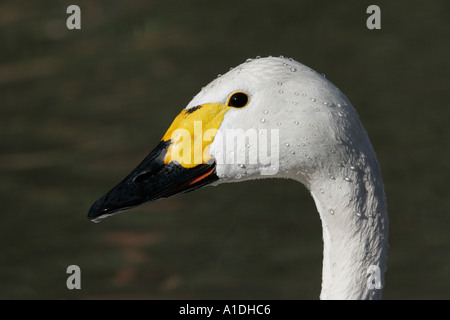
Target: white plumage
x=318, y=140
x=323, y=145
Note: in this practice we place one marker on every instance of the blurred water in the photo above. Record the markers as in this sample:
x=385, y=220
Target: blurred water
x=79, y=109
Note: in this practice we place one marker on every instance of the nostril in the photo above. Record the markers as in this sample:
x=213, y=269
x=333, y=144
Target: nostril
x=143, y=177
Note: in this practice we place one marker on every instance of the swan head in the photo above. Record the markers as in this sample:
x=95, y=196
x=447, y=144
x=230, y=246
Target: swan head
x=268, y=117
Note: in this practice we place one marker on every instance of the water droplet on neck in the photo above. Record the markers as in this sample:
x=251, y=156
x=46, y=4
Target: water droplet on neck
x=241, y=165
x=287, y=144
x=296, y=122
x=281, y=91
x=263, y=120
x=331, y=211
x=266, y=111
x=332, y=177
x=278, y=123
x=321, y=190
x=280, y=83
x=313, y=100
x=352, y=168
x=296, y=93
x=348, y=179
x=293, y=152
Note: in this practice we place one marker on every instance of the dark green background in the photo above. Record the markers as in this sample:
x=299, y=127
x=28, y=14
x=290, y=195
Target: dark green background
x=80, y=109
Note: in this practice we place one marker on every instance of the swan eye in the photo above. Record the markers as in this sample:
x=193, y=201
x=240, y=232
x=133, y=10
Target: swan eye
x=238, y=100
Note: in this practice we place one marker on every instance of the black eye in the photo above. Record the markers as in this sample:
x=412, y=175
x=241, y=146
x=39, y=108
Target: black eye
x=238, y=100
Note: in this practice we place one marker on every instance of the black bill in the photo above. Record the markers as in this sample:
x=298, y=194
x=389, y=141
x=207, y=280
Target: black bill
x=152, y=180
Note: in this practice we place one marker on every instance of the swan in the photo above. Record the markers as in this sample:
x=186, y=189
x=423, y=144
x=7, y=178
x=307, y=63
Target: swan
x=274, y=117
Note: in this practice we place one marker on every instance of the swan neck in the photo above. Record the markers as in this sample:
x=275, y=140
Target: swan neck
x=352, y=209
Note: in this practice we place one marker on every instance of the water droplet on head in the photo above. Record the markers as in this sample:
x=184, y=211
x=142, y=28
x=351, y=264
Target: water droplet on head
x=278, y=123
x=287, y=144
x=313, y=100
x=293, y=69
x=281, y=91
x=258, y=57
x=321, y=190
x=248, y=60
x=347, y=179
x=263, y=120
x=266, y=111
x=293, y=152
x=296, y=122
x=331, y=211
x=280, y=83
x=332, y=177
x=241, y=165
x=296, y=93
x=352, y=168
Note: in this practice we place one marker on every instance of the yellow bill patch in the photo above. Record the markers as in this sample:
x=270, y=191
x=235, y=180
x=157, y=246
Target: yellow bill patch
x=192, y=132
